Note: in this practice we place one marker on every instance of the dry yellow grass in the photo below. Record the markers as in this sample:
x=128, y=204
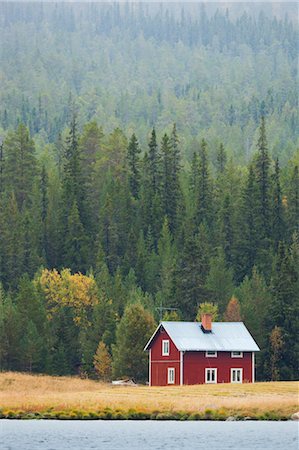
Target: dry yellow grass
x=26, y=392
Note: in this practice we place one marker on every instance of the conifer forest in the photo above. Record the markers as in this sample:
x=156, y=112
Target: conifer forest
x=148, y=167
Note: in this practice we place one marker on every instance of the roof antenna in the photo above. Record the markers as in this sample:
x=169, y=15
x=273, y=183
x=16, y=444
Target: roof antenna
x=162, y=308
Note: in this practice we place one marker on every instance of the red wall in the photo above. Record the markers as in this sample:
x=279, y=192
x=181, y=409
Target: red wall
x=160, y=364
x=196, y=362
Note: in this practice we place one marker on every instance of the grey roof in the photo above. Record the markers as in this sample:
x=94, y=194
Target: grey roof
x=225, y=336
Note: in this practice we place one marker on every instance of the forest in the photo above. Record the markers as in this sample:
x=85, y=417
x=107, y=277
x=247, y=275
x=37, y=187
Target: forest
x=148, y=168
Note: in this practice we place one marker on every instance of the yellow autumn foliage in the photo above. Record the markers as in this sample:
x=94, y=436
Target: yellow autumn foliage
x=64, y=289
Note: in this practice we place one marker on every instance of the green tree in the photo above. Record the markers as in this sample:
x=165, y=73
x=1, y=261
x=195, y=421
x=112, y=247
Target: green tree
x=133, y=163
x=133, y=331
x=219, y=281
x=278, y=225
x=221, y=159
x=283, y=309
x=262, y=173
x=193, y=268
x=75, y=242
x=19, y=164
x=293, y=201
x=207, y=308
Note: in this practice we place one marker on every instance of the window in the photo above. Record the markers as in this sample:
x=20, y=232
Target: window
x=236, y=375
x=237, y=354
x=211, y=354
x=165, y=348
x=170, y=375
x=211, y=375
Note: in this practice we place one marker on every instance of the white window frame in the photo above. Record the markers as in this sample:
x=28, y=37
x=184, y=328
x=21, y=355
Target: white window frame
x=165, y=352
x=241, y=375
x=237, y=354
x=207, y=369
x=170, y=375
x=211, y=355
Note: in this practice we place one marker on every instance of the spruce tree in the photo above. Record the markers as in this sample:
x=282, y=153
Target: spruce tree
x=19, y=164
x=73, y=186
x=262, y=174
x=221, y=159
x=219, y=282
x=154, y=164
x=247, y=240
x=203, y=192
x=278, y=226
x=133, y=331
x=293, y=202
x=193, y=268
x=133, y=163
x=227, y=236
x=75, y=242
x=284, y=308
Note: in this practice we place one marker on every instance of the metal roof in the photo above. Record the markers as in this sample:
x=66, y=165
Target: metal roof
x=225, y=336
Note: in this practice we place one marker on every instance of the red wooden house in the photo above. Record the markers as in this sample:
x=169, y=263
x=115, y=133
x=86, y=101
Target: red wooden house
x=196, y=353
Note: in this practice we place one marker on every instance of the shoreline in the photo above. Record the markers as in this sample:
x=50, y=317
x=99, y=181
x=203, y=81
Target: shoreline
x=26, y=396
x=114, y=415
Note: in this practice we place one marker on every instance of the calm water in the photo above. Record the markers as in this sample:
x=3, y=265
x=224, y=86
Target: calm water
x=133, y=435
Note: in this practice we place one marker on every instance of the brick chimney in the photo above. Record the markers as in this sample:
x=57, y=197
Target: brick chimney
x=206, y=323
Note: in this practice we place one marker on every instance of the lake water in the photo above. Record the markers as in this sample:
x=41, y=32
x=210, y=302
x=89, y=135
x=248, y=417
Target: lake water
x=133, y=435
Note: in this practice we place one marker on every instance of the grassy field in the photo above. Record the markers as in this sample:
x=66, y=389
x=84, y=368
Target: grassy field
x=71, y=397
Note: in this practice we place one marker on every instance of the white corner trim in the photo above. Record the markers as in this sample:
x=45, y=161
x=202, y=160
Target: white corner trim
x=150, y=367
x=181, y=368
x=253, y=367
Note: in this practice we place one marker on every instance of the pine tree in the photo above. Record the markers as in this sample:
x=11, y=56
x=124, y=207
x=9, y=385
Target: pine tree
x=227, y=237
x=283, y=309
x=73, y=186
x=109, y=235
x=168, y=261
x=3, y=337
x=133, y=163
x=134, y=329
x=221, y=159
x=12, y=242
x=219, y=281
x=262, y=172
x=203, y=194
x=276, y=352
x=154, y=164
x=75, y=242
x=20, y=164
x=293, y=202
x=32, y=347
x=193, y=268
x=278, y=225
x=54, y=225
x=247, y=241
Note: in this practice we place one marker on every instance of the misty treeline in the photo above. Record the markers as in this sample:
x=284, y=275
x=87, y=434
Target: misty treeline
x=213, y=71
x=98, y=232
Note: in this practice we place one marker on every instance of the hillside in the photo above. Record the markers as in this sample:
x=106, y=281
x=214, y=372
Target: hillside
x=149, y=169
